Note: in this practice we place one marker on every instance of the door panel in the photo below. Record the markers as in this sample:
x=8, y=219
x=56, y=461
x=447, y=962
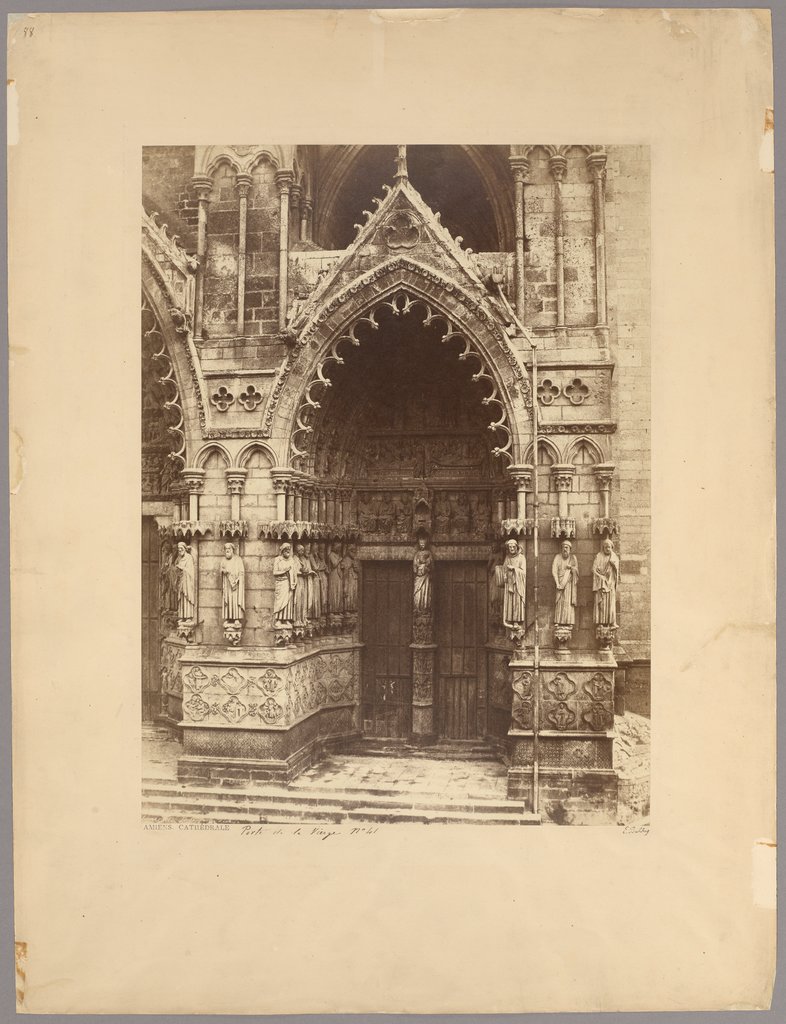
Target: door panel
x=386, y=628
x=460, y=602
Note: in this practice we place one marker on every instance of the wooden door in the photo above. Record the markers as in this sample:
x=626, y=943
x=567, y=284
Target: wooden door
x=386, y=626
x=460, y=606
x=151, y=639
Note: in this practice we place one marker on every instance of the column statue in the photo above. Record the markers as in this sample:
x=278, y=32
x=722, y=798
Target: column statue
x=186, y=591
x=233, y=590
x=565, y=570
x=284, y=581
x=349, y=580
x=335, y=589
x=302, y=592
x=422, y=567
x=605, y=577
x=319, y=565
x=514, y=594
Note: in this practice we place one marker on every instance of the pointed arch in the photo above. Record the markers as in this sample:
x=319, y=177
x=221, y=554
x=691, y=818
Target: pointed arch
x=574, y=447
x=546, y=447
x=212, y=448
x=248, y=450
x=399, y=286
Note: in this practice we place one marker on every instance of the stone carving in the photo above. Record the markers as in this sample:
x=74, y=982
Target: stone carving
x=605, y=578
x=401, y=231
x=303, y=592
x=561, y=717
x=186, y=592
x=222, y=399
x=561, y=687
x=233, y=594
x=423, y=676
x=565, y=571
x=422, y=567
x=349, y=587
x=319, y=566
x=250, y=398
x=521, y=709
x=335, y=588
x=285, y=570
x=513, y=578
x=598, y=717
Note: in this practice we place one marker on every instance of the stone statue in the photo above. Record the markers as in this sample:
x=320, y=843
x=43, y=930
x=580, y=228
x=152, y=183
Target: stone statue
x=319, y=565
x=605, y=577
x=186, y=584
x=514, y=582
x=314, y=593
x=422, y=566
x=302, y=591
x=233, y=593
x=285, y=581
x=335, y=589
x=565, y=570
x=349, y=579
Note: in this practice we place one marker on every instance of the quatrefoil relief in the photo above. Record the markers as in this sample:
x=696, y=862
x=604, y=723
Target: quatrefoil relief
x=548, y=391
x=576, y=391
x=222, y=399
x=250, y=398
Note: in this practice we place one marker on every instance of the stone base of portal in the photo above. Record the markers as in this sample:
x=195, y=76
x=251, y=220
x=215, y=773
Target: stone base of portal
x=571, y=764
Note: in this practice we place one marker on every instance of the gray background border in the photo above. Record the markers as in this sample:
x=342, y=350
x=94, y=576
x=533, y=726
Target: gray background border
x=7, y=974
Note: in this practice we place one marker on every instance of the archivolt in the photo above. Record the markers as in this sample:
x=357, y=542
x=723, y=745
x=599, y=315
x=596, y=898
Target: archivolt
x=173, y=404
x=401, y=304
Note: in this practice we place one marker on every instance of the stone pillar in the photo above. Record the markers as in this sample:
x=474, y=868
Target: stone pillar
x=295, y=199
x=604, y=471
x=424, y=650
x=284, y=182
x=194, y=480
x=305, y=219
x=320, y=505
x=290, y=499
x=520, y=168
x=243, y=185
x=280, y=480
x=203, y=186
x=236, y=479
x=298, y=502
x=563, y=480
x=523, y=477
x=597, y=165
x=558, y=165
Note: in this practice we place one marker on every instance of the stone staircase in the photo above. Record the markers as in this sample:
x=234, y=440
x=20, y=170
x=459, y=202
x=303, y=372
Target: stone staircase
x=167, y=801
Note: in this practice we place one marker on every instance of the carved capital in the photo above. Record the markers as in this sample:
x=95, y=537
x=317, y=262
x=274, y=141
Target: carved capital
x=519, y=165
x=243, y=182
x=563, y=476
x=203, y=186
x=522, y=475
x=604, y=471
x=194, y=479
x=281, y=479
x=563, y=527
x=236, y=478
x=597, y=164
x=558, y=165
x=284, y=180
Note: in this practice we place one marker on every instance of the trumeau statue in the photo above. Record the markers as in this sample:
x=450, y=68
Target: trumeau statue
x=605, y=577
x=565, y=570
x=285, y=570
x=233, y=593
x=422, y=567
x=514, y=583
x=186, y=584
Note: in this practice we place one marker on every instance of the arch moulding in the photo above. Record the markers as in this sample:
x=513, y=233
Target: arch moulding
x=405, y=287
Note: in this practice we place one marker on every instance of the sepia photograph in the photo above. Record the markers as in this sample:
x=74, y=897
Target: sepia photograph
x=396, y=484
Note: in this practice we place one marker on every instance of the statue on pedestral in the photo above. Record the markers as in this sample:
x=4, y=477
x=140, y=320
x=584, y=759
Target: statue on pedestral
x=565, y=570
x=349, y=580
x=302, y=591
x=335, y=589
x=605, y=577
x=186, y=584
x=422, y=567
x=319, y=565
x=285, y=581
x=233, y=593
x=514, y=585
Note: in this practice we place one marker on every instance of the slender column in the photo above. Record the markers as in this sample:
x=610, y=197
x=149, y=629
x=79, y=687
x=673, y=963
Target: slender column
x=523, y=478
x=597, y=165
x=290, y=500
x=558, y=166
x=298, y=489
x=236, y=478
x=563, y=480
x=331, y=506
x=320, y=505
x=280, y=480
x=305, y=219
x=284, y=182
x=604, y=472
x=203, y=186
x=520, y=167
x=295, y=199
x=243, y=185
x=195, y=482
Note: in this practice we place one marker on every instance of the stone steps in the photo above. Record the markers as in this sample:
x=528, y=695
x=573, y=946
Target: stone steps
x=464, y=750
x=164, y=800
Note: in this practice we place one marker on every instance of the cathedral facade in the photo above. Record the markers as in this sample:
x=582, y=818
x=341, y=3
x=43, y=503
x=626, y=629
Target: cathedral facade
x=396, y=456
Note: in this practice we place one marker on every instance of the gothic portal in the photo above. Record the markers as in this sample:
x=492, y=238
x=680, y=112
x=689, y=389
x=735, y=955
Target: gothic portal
x=395, y=456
